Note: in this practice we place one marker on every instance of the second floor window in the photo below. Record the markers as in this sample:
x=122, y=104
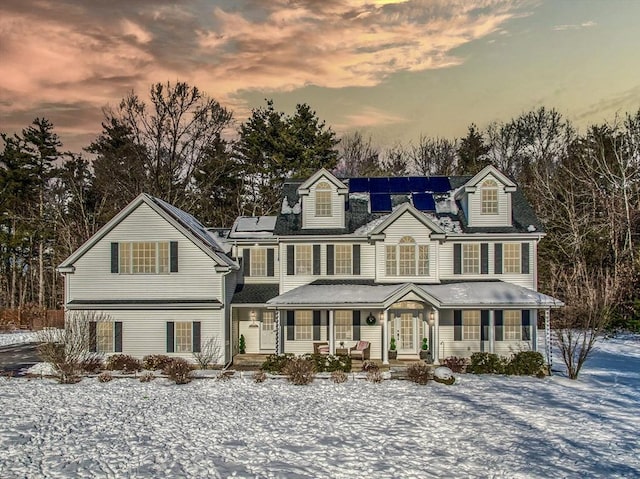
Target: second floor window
x=323, y=199
x=258, y=262
x=489, y=198
x=304, y=259
x=344, y=258
x=471, y=258
x=407, y=258
x=511, y=257
x=140, y=257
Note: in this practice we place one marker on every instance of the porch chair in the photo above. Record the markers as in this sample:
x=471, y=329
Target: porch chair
x=321, y=348
x=360, y=350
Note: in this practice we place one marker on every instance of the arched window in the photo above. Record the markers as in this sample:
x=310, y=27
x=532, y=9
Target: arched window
x=407, y=258
x=323, y=199
x=407, y=253
x=489, y=192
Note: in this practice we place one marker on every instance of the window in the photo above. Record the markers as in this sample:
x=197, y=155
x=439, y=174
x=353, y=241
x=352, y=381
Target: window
x=511, y=257
x=471, y=325
x=407, y=258
x=258, y=262
x=343, y=259
x=144, y=257
x=184, y=337
x=512, y=325
x=304, y=259
x=303, y=325
x=323, y=199
x=489, y=198
x=470, y=258
x=344, y=325
x=104, y=337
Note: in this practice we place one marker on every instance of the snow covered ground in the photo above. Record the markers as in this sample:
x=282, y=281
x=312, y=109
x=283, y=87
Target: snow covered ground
x=483, y=426
x=18, y=337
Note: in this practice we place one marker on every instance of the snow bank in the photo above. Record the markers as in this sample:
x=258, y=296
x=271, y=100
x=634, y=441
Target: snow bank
x=18, y=337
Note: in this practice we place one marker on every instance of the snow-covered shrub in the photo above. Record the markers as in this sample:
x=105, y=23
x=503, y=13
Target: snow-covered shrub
x=155, y=362
x=456, y=364
x=369, y=366
x=147, y=377
x=339, y=377
x=209, y=353
x=443, y=375
x=329, y=363
x=224, y=375
x=259, y=376
x=67, y=369
x=374, y=376
x=526, y=363
x=275, y=363
x=105, y=377
x=92, y=363
x=179, y=371
x=300, y=370
x=487, y=363
x=419, y=373
x=124, y=363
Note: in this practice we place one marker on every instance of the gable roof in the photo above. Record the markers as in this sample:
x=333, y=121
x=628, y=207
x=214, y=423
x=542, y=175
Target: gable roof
x=322, y=172
x=181, y=220
x=409, y=209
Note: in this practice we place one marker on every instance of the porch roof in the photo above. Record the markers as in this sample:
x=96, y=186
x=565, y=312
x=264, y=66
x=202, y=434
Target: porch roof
x=468, y=294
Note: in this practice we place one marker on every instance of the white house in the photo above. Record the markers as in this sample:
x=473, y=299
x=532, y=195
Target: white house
x=450, y=261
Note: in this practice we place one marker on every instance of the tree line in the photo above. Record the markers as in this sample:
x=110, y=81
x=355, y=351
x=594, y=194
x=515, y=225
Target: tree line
x=175, y=145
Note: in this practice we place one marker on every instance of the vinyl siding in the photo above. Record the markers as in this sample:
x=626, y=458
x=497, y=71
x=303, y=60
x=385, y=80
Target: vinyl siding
x=195, y=279
x=473, y=210
x=309, y=218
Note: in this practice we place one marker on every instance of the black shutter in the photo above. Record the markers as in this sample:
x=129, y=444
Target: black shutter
x=484, y=325
x=526, y=325
x=356, y=259
x=356, y=325
x=291, y=332
x=316, y=325
x=246, y=261
x=196, y=348
x=484, y=258
x=118, y=337
x=524, y=257
x=114, y=257
x=457, y=325
x=497, y=258
x=173, y=256
x=457, y=258
x=316, y=259
x=270, y=260
x=170, y=333
x=93, y=338
x=329, y=259
x=497, y=318
x=291, y=259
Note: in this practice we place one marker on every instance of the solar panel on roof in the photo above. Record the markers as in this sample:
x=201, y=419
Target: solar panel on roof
x=359, y=185
x=418, y=183
x=379, y=185
x=399, y=185
x=380, y=202
x=439, y=184
x=424, y=201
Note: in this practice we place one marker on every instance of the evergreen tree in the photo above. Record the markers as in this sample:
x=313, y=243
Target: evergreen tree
x=472, y=152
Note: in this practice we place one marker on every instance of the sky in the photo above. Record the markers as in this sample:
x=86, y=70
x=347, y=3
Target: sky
x=392, y=69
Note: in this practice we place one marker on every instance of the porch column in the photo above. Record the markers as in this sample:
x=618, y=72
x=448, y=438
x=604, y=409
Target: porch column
x=547, y=336
x=385, y=337
x=534, y=329
x=332, y=334
x=436, y=336
x=279, y=334
x=492, y=332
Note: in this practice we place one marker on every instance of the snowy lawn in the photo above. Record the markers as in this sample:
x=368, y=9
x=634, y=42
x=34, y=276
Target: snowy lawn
x=18, y=337
x=482, y=426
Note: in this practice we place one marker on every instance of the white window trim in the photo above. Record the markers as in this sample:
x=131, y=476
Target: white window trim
x=298, y=260
x=471, y=332
x=299, y=328
x=323, y=209
x=512, y=332
x=463, y=256
x=489, y=186
x=103, y=334
x=343, y=332
x=396, y=248
x=127, y=268
x=349, y=249
x=518, y=261
x=254, y=262
x=178, y=345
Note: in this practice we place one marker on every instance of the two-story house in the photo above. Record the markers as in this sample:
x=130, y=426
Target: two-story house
x=448, y=259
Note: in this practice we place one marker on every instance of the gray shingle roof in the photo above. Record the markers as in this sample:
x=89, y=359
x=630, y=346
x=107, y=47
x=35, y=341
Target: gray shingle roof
x=255, y=293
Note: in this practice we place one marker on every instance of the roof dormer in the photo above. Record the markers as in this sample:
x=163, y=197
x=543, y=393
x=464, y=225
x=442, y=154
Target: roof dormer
x=486, y=199
x=323, y=198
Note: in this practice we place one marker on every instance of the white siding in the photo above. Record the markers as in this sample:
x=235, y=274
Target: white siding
x=196, y=279
x=309, y=218
x=473, y=210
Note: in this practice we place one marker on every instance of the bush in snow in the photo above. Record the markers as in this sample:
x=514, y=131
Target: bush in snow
x=300, y=370
x=147, y=377
x=374, y=376
x=487, y=363
x=155, y=362
x=456, y=364
x=444, y=375
x=105, y=377
x=323, y=363
x=209, y=353
x=369, y=366
x=339, y=377
x=275, y=363
x=259, y=376
x=92, y=364
x=419, y=373
x=526, y=363
x=124, y=363
x=179, y=371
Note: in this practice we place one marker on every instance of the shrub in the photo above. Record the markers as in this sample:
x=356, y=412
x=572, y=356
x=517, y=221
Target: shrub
x=419, y=373
x=339, y=377
x=147, y=377
x=337, y=363
x=105, y=377
x=448, y=381
x=224, y=375
x=300, y=370
x=369, y=366
x=124, y=363
x=66, y=367
x=276, y=363
x=259, y=376
x=179, y=371
x=526, y=363
x=374, y=376
x=487, y=363
x=155, y=362
x=456, y=364
x=92, y=364
x=209, y=353
x=242, y=344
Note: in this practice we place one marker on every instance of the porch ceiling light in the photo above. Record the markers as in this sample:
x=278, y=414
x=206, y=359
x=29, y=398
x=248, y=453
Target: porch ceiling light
x=252, y=316
x=432, y=318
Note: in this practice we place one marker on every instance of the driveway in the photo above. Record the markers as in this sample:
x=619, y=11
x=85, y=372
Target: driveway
x=15, y=358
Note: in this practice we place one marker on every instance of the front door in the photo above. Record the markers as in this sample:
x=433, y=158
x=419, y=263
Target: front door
x=406, y=334
x=268, y=331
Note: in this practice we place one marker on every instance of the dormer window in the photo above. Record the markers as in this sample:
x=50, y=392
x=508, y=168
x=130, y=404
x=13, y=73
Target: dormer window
x=489, y=191
x=323, y=199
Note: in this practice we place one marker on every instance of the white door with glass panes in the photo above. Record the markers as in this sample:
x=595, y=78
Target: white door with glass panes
x=406, y=332
x=268, y=331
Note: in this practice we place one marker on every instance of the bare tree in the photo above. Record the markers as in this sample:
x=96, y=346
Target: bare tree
x=209, y=352
x=434, y=156
x=357, y=156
